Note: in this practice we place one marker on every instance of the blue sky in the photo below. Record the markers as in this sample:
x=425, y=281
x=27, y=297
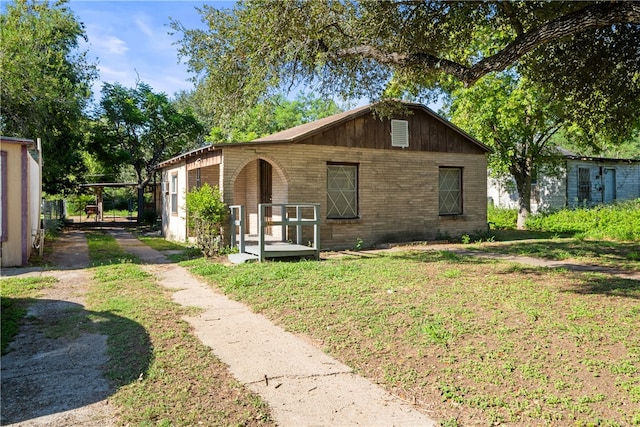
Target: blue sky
x=130, y=40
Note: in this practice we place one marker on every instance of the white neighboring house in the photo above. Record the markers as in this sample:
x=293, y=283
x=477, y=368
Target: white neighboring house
x=174, y=190
x=582, y=181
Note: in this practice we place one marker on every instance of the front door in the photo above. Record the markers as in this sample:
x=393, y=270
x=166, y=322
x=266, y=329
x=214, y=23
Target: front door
x=609, y=194
x=266, y=189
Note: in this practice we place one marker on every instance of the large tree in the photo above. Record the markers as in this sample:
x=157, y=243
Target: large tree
x=359, y=48
x=272, y=115
x=45, y=85
x=140, y=128
x=518, y=120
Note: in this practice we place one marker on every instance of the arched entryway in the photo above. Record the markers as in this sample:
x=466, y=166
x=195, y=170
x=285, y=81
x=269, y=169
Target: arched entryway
x=261, y=180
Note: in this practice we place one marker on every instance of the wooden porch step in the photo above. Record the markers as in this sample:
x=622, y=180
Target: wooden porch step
x=241, y=258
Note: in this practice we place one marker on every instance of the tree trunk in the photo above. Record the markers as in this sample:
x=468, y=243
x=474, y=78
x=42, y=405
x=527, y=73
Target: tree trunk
x=142, y=184
x=141, y=201
x=523, y=185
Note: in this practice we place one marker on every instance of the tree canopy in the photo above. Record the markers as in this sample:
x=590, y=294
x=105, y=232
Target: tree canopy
x=358, y=49
x=45, y=85
x=517, y=120
x=272, y=115
x=138, y=127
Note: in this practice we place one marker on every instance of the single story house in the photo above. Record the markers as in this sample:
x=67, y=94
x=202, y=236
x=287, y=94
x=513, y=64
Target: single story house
x=20, y=185
x=580, y=181
x=413, y=177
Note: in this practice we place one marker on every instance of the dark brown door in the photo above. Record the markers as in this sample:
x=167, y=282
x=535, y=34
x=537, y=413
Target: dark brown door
x=266, y=189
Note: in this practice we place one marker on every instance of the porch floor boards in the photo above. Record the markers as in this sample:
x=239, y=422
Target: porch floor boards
x=280, y=249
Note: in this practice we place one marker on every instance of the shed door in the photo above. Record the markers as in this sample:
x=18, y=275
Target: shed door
x=609, y=185
x=266, y=189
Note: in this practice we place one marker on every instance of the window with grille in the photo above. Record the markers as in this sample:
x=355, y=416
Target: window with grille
x=198, y=178
x=174, y=194
x=342, y=191
x=584, y=185
x=450, y=191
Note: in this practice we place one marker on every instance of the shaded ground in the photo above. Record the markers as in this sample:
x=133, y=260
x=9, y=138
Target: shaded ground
x=52, y=374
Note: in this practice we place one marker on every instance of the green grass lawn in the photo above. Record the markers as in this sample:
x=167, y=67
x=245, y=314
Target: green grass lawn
x=165, y=375
x=620, y=255
x=472, y=341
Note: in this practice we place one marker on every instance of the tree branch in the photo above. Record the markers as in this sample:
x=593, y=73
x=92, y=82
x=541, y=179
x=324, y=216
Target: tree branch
x=515, y=22
x=596, y=16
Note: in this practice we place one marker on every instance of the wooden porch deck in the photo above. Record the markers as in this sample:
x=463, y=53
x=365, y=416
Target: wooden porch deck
x=281, y=249
x=266, y=246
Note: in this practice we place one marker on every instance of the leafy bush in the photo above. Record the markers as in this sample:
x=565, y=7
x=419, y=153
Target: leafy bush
x=206, y=216
x=619, y=221
x=149, y=217
x=502, y=218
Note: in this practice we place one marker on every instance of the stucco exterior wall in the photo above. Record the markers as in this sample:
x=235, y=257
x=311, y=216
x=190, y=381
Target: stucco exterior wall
x=397, y=190
x=19, y=197
x=34, y=197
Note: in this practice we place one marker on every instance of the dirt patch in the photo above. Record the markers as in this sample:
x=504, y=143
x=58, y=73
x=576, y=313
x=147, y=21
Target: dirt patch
x=53, y=372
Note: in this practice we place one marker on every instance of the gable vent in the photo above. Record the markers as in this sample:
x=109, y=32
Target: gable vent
x=399, y=133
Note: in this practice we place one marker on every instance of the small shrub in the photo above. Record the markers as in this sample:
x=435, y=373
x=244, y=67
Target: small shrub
x=358, y=246
x=502, y=218
x=206, y=216
x=149, y=217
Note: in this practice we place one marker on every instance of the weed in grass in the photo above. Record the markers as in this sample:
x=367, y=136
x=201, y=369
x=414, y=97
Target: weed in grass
x=451, y=422
x=434, y=331
x=624, y=367
x=453, y=273
x=452, y=392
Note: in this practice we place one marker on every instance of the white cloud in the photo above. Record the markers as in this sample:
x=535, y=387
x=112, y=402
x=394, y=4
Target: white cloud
x=110, y=45
x=143, y=25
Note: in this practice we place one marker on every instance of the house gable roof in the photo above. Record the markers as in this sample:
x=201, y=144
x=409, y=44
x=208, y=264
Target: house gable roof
x=314, y=133
x=307, y=130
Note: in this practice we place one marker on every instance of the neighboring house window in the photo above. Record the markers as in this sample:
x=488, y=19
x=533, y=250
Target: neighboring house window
x=584, y=185
x=198, y=182
x=450, y=191
x=342, y=191
x=4, y=196
x=174, y=194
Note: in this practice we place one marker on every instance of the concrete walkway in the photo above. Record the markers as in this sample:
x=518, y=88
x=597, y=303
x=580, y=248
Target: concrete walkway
x=302, y=385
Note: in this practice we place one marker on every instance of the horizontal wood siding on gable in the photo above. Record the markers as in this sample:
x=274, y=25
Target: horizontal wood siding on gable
x=210, y=158
x=426, y=133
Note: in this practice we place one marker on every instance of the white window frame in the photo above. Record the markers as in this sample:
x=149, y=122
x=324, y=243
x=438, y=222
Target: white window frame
x=173, y=190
